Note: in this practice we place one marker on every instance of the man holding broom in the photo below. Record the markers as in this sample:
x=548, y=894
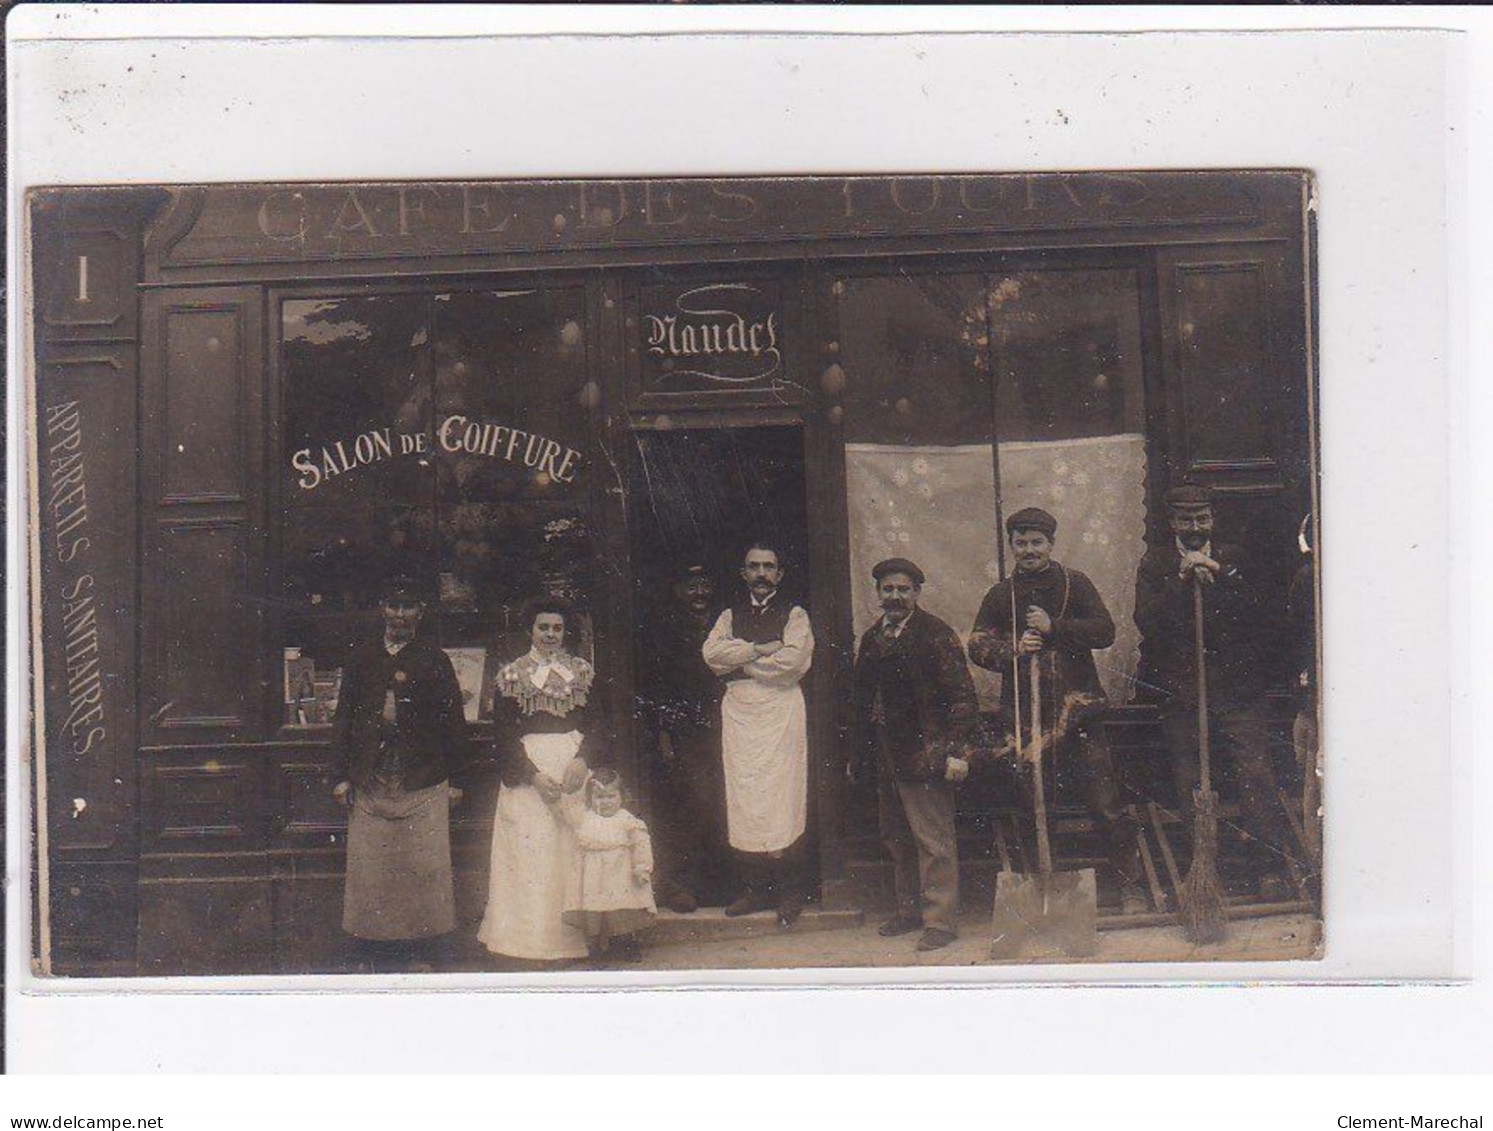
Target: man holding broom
x=1229, y=694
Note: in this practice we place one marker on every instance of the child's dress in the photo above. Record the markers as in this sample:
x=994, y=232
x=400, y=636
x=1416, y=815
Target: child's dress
x=604, y=898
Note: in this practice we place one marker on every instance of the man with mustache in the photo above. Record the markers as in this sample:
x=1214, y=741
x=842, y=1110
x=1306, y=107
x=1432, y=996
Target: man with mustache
x=1238, y=714
x=683, y=702
x=915, y=713
x=1061, y=620
x=762, y=647
x=398, y=734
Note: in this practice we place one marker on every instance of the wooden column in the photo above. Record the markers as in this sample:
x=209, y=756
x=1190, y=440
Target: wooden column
x=83, y=486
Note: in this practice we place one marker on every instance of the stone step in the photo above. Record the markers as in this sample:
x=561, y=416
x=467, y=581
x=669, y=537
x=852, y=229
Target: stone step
x=710, y=924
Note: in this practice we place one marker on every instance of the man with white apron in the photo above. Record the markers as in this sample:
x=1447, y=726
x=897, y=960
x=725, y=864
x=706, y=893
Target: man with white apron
x=762, y=647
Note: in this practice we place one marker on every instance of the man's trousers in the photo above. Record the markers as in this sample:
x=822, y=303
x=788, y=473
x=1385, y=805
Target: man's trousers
x=689, y=816
x=917, y=827
x=1238, y=735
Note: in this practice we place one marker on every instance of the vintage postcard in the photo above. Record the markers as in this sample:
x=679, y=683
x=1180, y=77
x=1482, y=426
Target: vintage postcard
x=702, y=574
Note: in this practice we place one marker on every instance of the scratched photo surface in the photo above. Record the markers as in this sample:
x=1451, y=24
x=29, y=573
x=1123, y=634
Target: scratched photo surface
x=674, y=574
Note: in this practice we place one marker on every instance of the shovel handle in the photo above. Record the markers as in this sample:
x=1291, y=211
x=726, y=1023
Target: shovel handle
x=1039, y=790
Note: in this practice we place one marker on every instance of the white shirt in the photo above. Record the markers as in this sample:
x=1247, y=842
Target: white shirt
x=894, y=628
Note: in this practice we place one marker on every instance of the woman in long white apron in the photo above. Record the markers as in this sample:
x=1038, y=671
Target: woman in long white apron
x=540, y=704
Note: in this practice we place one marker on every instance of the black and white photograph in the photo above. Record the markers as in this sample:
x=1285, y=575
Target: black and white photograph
x=734, y=539
x=740, y=573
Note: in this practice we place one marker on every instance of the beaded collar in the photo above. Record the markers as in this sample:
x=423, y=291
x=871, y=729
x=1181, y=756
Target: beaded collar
x=556, y=684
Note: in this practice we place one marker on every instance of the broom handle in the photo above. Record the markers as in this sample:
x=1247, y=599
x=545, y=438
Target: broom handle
x=1202, y=666
x=1039, y=793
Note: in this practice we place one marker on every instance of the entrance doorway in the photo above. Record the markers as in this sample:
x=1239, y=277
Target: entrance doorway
x=698, y=497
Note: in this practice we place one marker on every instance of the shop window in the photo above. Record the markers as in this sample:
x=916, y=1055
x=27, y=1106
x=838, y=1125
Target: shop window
x=442, y=435
x=1044, y=364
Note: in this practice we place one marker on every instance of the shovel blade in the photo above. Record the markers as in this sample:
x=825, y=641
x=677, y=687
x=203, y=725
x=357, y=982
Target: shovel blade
x=1042, y=917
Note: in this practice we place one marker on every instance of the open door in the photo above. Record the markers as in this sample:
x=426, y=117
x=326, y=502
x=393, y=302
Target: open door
x=698, y=497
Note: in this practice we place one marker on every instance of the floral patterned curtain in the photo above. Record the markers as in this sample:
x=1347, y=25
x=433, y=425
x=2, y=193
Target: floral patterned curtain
x=936, y=505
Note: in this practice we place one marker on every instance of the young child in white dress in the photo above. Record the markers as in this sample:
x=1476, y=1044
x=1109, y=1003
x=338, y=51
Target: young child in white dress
x=610, y=896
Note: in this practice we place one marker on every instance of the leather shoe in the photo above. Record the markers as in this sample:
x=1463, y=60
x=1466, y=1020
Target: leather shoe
x=681, y=903
x=899, y=925
x=936, y=938
x=750, y=901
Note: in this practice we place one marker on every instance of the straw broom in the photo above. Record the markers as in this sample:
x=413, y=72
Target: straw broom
x=1201, y=898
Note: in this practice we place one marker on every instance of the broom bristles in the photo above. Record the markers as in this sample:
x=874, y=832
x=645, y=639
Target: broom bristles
x=1200, y=902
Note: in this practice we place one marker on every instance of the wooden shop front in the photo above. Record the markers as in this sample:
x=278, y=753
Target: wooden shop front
x=253, y=401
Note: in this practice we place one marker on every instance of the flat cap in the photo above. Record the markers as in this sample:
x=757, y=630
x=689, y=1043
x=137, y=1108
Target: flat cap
x=1189, y=497
x=691, y=569
x=1032, y=518
x=406, y=585
x=897, y=565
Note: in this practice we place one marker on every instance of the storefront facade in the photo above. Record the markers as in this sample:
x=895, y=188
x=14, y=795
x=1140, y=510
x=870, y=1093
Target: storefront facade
x=252, y=402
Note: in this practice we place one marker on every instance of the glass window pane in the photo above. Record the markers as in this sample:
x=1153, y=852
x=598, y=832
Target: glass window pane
x=913, y=350
x=1067, y=347
x=358, y=483
x=355, y=397
x=511, y=437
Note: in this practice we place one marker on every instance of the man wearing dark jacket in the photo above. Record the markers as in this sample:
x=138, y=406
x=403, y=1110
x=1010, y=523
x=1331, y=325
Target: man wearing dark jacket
x=1060, y=620
x=1238, y=718
x=398, y=732
x=914, y=715
x=683, y=697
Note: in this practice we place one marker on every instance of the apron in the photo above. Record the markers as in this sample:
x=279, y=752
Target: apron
x=399, y=865
x=764, y=745
x=533, y=859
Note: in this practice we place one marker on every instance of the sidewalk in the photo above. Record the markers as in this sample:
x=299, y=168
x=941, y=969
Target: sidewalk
x=1273, y=937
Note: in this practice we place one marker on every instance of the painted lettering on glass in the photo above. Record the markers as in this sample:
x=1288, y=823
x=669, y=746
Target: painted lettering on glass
x=703, y=330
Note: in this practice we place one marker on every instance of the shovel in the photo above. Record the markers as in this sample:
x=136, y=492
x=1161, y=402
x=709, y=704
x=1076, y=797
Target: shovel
x=1051, y=913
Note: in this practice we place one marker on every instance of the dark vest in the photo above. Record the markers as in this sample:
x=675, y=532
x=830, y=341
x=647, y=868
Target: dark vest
x=758, y=625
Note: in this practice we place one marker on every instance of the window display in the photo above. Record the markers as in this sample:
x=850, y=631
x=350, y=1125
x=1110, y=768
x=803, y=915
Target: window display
x=438, y=434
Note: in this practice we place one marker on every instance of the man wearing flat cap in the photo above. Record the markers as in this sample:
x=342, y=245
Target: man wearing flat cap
x=682, y=699
x=398, y=734
x=1238, y=715
x=914, y=717
x=1055, y=616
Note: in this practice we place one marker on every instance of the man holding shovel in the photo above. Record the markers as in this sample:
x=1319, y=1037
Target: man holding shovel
x=1060, y=618
x=1234, y=679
